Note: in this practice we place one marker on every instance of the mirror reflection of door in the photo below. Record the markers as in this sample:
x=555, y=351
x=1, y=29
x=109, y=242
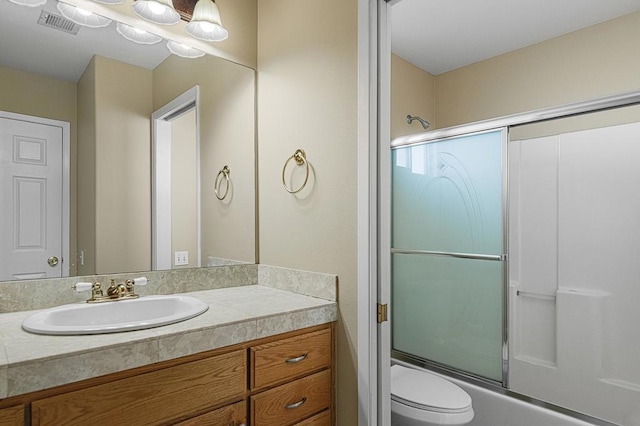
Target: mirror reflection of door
x=176, y=186
x=31, y=190
x=184, y=241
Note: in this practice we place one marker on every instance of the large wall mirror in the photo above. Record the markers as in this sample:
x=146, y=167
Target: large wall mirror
x=92, y=93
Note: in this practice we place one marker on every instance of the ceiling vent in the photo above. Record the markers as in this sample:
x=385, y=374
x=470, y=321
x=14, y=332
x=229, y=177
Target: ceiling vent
x=58, y=22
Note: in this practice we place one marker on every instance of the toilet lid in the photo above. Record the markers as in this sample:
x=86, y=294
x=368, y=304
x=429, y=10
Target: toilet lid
x=428, y=391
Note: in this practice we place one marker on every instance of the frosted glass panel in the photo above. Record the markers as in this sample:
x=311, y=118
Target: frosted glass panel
x=447, y=196
x=449, y=310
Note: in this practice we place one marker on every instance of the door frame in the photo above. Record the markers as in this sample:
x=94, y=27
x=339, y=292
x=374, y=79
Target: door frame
x=374, y=173
x=66, y=179
x=161, y=194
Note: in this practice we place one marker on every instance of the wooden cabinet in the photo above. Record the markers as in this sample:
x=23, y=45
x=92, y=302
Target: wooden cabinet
x=152, y=398
x=12, y=416
x=231, y=415
x=281, y=380
x=283, y=360
x=292, y=380
x=292, y=402
x=322, y=419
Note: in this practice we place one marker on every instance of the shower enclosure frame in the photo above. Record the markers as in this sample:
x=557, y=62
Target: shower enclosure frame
x=504, y=130
x=506, y=123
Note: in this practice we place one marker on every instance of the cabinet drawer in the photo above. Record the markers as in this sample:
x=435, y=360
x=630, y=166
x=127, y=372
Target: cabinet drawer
x=149, y=398
x=322, y=419
x=12, y=416
x=231, y=415
x=292, y=402
x=283, y=360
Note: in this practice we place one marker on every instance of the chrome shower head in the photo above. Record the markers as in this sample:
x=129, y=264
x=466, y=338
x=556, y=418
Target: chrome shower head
x=425, y=123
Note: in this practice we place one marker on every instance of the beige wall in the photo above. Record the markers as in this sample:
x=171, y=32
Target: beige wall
x=413, y=93
x=598, y=61
x=307, y=98
x=123, y=167
x=227, y=137
x=86, y=153
x=183, y=187
x=116, y=154
x=31, y=94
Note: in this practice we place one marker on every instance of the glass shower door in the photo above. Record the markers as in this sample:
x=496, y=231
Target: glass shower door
x=448, y=263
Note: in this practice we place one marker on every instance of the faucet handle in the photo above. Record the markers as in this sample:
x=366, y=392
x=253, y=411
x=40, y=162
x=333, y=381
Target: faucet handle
x=82, y=286
x=140, y=281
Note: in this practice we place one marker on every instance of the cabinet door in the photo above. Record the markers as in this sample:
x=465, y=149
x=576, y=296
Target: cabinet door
x=231, y=415
x=12, y=416
x=151, y=398
x=293, y=402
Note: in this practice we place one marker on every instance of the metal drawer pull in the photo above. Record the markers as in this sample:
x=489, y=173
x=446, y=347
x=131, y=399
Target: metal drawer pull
x=296, y=404
x=297, y=359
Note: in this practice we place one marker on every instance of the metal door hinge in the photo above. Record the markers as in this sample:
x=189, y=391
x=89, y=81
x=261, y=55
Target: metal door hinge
x=382, y=313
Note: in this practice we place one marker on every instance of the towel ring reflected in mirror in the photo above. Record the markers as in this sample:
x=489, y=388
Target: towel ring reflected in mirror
x=223, y=173
x=300, y=158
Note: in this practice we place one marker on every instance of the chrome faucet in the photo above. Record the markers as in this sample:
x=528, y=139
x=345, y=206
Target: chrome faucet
x=115, y=292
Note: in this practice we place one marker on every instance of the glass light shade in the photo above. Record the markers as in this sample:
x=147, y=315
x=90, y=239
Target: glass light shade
x=183, y=50
x=82, y=17
x=29, y=3
x=137, y=35
x=206, y=23
x=158, y=11
x=110, y=1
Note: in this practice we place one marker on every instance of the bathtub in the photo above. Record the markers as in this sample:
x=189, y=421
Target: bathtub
x=495, y=409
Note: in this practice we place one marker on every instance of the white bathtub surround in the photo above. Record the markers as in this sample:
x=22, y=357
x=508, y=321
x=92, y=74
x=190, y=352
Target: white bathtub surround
x=574, y=240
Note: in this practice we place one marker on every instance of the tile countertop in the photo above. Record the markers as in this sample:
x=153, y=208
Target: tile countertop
x=30, y=362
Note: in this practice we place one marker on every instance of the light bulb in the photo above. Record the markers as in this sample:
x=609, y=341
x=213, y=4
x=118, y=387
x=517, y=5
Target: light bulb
x=157, y=8
x=207, y=26
x=83, y=12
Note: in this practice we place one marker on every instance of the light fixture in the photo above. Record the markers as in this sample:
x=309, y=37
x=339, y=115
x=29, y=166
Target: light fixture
x=183, y=50
x=137, y=35
x=110, y=1
x=82, y=17
x=29, y=3
x=157, y=11
x=206, y=23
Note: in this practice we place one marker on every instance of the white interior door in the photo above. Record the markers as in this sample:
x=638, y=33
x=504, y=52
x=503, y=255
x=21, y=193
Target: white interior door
x=31, y=193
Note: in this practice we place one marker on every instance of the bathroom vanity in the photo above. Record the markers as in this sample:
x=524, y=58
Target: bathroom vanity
x=259, y=356
x=281, y=380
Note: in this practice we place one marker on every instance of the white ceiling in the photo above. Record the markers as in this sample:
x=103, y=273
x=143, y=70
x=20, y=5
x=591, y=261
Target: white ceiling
x=436, y=35
x=41, y=50
x=442, y=35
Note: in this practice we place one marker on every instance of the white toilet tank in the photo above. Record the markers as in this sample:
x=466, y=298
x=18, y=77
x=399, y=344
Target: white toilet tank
x=419, y=398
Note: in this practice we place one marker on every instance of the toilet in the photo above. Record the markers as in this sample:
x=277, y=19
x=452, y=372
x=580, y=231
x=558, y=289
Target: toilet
x=419, y=398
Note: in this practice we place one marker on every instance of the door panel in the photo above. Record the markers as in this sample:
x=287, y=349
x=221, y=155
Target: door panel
x=31, y=167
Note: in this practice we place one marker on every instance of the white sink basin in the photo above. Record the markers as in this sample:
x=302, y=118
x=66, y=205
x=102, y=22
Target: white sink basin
x=114, y=317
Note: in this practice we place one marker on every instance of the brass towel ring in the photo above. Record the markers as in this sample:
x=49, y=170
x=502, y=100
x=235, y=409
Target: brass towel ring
x=300, y=157
x=225, y=172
